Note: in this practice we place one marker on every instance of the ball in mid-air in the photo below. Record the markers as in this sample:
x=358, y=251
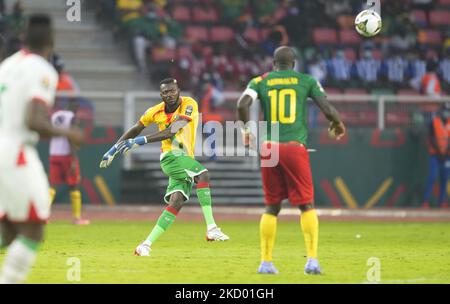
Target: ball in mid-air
x=368, y=23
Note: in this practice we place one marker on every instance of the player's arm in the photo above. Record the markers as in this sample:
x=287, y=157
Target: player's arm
x=134, y=131
x=243, y=113
x=37, y=120
x=167, y=133
x=330, y=112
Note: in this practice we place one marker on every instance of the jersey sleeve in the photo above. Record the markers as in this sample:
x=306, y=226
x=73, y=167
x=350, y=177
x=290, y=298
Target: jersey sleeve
x=43, y=85
x=148, y=117
x=316, y=89
x=253, y=88
x=189, y=109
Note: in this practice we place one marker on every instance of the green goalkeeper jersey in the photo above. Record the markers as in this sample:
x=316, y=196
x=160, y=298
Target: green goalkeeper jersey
x=283, y=96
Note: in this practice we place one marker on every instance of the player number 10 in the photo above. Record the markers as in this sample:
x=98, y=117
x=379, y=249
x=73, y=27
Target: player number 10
x=278, y=105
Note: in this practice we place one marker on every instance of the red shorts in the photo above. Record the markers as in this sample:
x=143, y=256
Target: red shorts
x=291, y=178
x=61, y=171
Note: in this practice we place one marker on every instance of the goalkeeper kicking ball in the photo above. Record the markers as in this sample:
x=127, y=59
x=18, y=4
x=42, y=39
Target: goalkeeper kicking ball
x=368, y=23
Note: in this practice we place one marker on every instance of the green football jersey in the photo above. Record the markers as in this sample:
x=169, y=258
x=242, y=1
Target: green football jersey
x=283, y=96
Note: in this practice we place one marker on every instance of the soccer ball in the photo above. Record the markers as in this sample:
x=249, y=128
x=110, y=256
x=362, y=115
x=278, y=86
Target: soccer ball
x=368, y=23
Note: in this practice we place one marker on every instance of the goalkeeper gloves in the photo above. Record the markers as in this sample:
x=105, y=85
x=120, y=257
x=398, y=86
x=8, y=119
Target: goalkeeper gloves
x=131, y=143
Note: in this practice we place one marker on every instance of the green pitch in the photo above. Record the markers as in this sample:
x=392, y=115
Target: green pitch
x=408, y=253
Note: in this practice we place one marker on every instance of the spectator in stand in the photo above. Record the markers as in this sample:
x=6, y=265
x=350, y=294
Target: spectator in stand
x=405, y=38
x=264, y=10
x=368, y=68
x=417, y=67
x=317, y=68
x=15, y=28
x=276, y=38
x=66, y=82
x=430, y=84
x=394, y=67
x=234, y=10
x=439, y=156
x=340, y=67
x=444, y=68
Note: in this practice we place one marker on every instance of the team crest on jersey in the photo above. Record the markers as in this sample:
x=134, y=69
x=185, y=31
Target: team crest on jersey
x=189, y=110
x=46, y=83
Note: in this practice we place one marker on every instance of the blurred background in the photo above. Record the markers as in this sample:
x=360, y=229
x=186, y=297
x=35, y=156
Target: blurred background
x=388, y=89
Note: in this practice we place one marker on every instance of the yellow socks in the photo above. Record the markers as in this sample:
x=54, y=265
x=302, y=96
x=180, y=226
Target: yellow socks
x=267, y=231
x=75, y=200
x=52, y=193
x=310, y=227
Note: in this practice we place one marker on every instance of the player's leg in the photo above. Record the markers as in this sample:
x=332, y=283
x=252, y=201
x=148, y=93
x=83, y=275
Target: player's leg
x=267, y=234
x=73, y=179
x=432, y=175
x=298, y=177
x=168, y=216
x=22, y=253
x=54, y=177
x=213, y=232
x=28, y=208
x=275, y=191
x=8, y=233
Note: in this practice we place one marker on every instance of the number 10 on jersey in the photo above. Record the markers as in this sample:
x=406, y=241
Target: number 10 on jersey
x=278, y=105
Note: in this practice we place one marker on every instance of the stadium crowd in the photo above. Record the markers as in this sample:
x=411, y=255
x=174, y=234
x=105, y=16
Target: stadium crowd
x=225, y=42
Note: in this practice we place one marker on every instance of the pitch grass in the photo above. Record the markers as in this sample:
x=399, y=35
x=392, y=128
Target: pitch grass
x=408, y=253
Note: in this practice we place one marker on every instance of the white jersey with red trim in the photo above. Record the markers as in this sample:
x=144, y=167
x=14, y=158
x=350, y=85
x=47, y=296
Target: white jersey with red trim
x=24, y=187
x=23, y=77
x=60, y=145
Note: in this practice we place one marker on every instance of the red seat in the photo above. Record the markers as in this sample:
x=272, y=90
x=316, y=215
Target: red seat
x=405, y=92
x=160, y=54
x=204, y=15
x=184, y=52
x=346, y=22
x=197, y=33
x=324, y=36
x=349, y=37
x=420, y=17
x=397, y=118
x=221, y=34
x=181, y=13
x=430, y=37
x=444, y=2
x=441, y=17
x=253, y=34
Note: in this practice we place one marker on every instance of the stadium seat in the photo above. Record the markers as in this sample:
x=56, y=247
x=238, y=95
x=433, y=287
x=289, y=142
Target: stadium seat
x=160, y=54
x=440, y=17
x=253, y=34
x=184, y=52
x=324, y=36
x=181, y=13
x=420, y=17
x=221, y=34
x=397, y=118
x=430, y=37
x=204, y=15
x=197, y=33
x=346, y=22
x=444, y=2
x=347, y=37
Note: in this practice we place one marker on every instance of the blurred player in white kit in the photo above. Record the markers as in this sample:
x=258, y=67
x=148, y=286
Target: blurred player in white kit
x=27, y=91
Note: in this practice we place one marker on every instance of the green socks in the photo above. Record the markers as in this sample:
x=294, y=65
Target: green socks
x=164, y=222
x=204, y=196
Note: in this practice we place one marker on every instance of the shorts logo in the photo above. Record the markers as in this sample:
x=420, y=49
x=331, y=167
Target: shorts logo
x=189, y=110
x=46, y=83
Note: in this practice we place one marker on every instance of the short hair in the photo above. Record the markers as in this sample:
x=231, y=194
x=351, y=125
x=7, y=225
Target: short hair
x=39, y=32
x=168, y=81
